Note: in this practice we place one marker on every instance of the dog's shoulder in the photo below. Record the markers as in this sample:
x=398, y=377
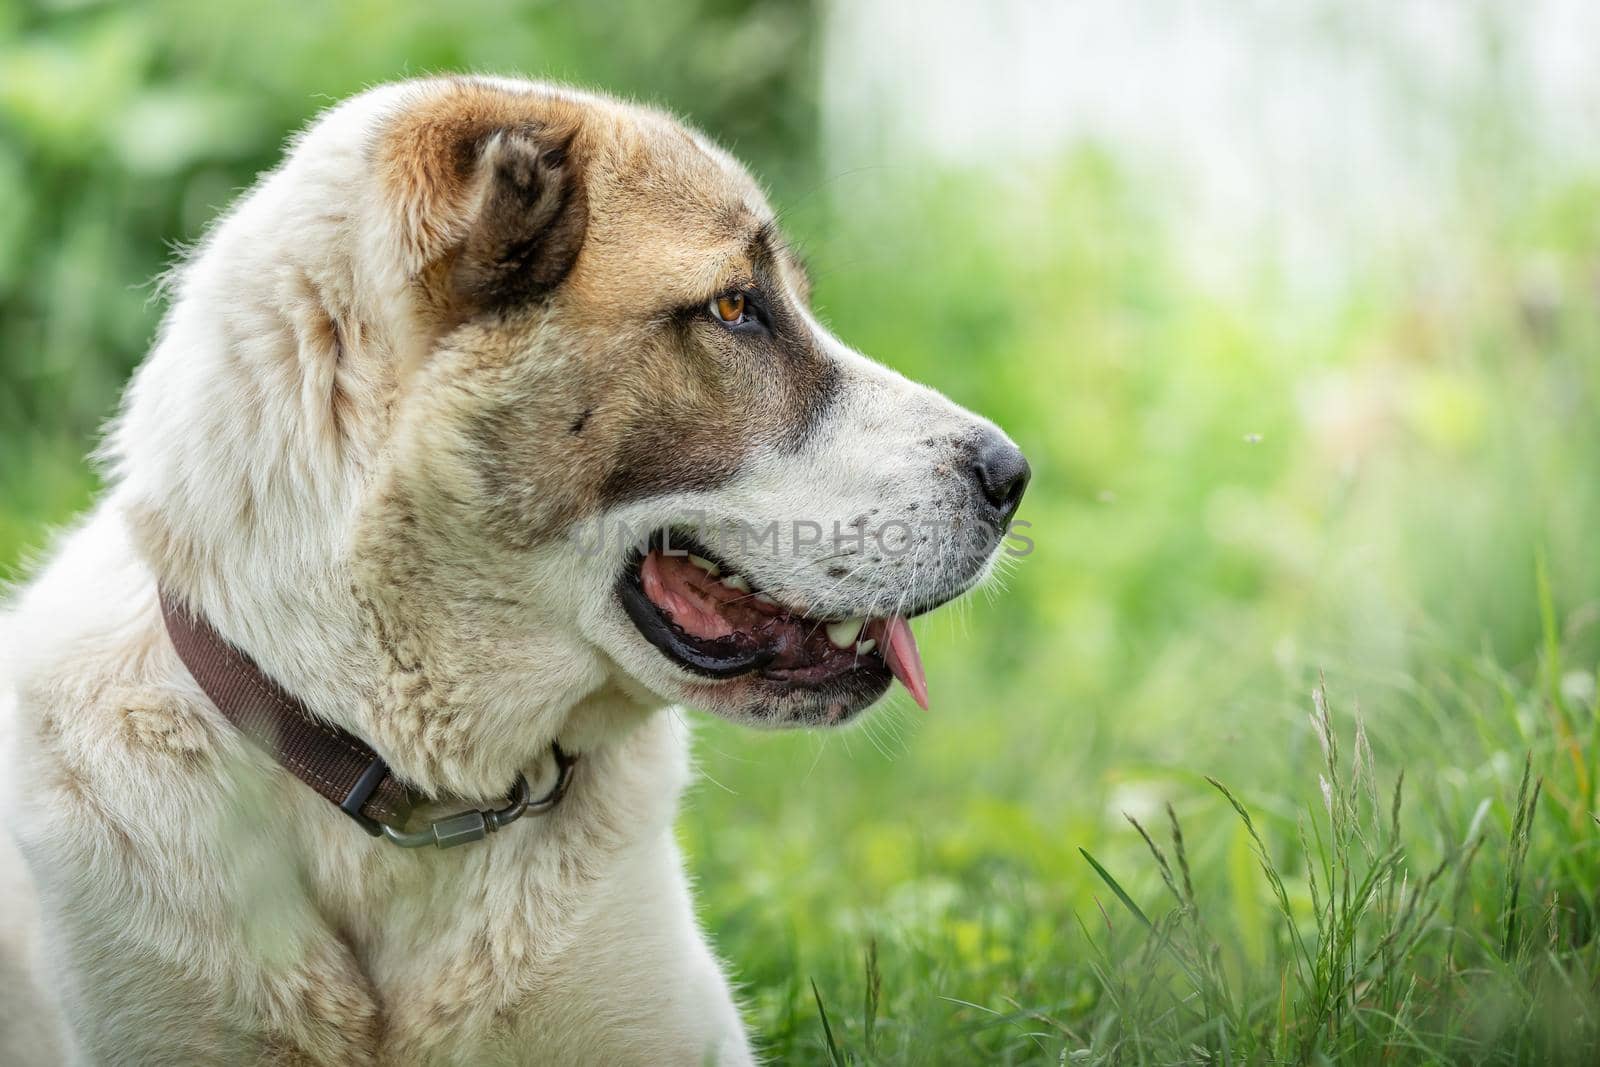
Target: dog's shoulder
x=94, y=687
x=130, y=808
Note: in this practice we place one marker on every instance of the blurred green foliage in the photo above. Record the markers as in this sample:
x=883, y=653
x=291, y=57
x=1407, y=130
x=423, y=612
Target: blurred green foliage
x=1236, y=491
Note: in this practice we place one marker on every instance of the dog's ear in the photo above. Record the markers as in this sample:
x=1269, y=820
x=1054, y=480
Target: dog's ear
x=529, y=222
x=489, y=188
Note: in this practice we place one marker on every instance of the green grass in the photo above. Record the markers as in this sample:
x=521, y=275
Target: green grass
x=1358, y=918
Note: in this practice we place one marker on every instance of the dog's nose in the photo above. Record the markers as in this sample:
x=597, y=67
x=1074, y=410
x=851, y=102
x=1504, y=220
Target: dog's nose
x=1003, y=473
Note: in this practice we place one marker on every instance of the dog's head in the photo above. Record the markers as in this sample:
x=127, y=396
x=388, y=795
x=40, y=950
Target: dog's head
x=614, y=434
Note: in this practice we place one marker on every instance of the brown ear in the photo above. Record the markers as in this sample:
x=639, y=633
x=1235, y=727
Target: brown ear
x=529, y=223
x=491, y=201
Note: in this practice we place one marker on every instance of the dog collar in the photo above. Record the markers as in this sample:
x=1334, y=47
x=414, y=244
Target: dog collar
x=336, y=764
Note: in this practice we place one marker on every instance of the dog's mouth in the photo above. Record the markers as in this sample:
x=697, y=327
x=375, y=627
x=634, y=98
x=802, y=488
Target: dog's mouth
x=712, y=621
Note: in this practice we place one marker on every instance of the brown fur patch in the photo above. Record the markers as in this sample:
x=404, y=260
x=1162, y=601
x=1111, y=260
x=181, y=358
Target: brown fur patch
x=666, y=399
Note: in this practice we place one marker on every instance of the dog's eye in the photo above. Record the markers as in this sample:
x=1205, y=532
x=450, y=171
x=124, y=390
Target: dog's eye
x=730, y=308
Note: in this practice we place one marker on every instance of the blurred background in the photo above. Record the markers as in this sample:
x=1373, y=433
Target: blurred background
x=1294, y=307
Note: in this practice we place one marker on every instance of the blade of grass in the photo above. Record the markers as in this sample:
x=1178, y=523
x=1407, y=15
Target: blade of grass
x=835, y=1057
x=1116, y=888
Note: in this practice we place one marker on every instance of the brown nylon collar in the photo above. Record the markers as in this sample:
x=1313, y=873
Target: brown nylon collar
x=338, y=765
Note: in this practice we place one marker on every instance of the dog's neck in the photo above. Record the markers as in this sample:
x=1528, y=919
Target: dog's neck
x=457, y=708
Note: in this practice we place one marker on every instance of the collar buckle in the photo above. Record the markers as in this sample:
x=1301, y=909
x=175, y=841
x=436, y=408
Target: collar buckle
x=469, y=826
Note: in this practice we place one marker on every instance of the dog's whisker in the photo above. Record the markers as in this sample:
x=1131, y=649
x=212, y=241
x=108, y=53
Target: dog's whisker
x=816, y=756
x=707, y=775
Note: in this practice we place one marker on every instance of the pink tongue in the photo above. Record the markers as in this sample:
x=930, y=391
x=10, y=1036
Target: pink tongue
x=900, y=653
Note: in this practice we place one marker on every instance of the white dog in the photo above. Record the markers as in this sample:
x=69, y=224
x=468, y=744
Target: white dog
x=433, y=417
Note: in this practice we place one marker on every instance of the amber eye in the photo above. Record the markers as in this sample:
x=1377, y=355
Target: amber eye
x=729, y=308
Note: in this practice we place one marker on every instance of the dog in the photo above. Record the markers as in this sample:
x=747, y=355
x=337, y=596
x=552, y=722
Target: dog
x=487, y=429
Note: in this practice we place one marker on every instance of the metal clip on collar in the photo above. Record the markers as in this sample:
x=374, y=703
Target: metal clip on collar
x=470, y=826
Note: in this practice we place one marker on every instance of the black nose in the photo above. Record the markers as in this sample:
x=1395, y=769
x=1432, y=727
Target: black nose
x=1002, y=472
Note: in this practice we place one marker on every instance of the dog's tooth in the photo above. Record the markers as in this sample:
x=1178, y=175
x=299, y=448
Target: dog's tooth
x=844, y=634
x=765, y=599
x=705, y=565
x=863, y=647
x=734, y=581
